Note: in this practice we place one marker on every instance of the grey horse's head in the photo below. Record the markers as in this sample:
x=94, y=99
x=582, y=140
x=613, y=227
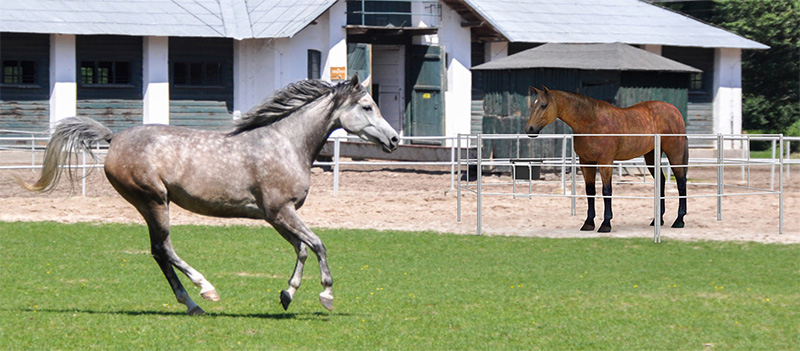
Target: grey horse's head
x=363, y=118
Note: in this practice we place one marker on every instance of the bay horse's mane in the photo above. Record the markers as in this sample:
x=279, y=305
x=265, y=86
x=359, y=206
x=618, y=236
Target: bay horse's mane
x=293, y=97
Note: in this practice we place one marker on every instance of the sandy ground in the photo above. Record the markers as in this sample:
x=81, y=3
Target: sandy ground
x=421, y=199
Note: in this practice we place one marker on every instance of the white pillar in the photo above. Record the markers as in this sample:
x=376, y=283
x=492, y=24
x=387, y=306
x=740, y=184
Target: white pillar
x=63, y=75
x=337, y=41
x=728, y=92
x=155, y=83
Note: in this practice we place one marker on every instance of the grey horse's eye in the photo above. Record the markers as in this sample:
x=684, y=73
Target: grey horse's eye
x=368, y=108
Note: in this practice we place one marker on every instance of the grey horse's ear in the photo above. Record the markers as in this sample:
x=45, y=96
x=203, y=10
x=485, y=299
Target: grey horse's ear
x=354, y=81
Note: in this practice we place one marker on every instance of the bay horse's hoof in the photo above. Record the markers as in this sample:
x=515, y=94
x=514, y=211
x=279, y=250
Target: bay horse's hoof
x=653, y=222
x=196, y=311
x=210, y=295
x=678, y=223
x=588, y=225
x=286, y=299
x=605, y=227
x=326, y=301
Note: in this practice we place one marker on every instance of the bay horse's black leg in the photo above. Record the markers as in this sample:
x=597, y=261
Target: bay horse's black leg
x=589, y=177
x=681, y=202
x=649, y=159
x=605, y=175
x=680, y=179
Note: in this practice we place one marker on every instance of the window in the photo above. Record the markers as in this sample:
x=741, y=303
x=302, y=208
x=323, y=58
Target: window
x=197, y=74
x=105, y=72
x=19, y=72
x=314, y=64
x=696, y=81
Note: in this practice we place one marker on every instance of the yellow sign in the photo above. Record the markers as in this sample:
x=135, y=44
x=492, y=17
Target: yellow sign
x=338, y=73
x=426, y=96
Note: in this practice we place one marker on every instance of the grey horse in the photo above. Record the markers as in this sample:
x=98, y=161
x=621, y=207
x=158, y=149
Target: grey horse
x=260, y=170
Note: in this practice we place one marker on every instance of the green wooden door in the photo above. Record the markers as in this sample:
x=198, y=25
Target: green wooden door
x=427, y=77
x=359, y=61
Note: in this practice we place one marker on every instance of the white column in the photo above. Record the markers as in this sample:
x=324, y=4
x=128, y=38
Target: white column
x=63, y=76
x=728, y=92
x=155, y=80
x=337, y=43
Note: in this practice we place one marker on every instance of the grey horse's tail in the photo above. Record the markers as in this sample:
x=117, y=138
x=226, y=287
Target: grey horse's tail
x=70, y=136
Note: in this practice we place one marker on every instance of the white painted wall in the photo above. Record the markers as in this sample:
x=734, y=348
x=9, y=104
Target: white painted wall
x=155, y=83
x=728, y=92
x=457, y=99
x=63, y=75
x=496, y=50
x=262, y=66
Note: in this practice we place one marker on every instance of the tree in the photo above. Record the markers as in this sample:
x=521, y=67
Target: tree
x=770, y=78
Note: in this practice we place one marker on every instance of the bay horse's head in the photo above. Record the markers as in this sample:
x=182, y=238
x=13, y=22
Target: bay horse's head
x=360, y=115
x=543, y=112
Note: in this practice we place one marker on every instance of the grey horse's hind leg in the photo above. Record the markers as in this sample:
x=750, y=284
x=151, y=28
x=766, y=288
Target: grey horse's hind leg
x=289, y=224
x=297, y=276
x=157, y=217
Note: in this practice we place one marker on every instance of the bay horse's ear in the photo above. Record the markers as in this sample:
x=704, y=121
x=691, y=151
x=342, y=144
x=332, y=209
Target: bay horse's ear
x=546, y=91
x=537, y=91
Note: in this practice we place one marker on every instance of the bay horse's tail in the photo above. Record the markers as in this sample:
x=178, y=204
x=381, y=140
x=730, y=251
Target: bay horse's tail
x=71, y=136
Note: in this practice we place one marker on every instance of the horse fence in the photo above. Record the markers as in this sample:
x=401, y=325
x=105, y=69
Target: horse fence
x=568, y=164
x=23, y=150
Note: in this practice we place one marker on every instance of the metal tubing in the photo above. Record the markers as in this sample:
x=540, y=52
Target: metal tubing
x=458, y=192
x=657, y=190
x=480, y=171
x=772, y=170
x=574, y=176
x=720, y=174
x=564, y=165
x=780, y=191
x=336, y=167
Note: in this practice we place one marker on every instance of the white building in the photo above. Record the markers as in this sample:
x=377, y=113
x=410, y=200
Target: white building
x=197, y=62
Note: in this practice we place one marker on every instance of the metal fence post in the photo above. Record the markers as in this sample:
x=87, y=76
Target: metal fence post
x=657, y=190
x=458, y=189
x=336, y=166
x=780, y=191
x=480, y=171
x=772, y=168
x=720, y=174
x=574, y=176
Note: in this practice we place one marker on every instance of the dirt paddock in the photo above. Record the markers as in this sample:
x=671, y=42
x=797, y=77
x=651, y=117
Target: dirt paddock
x=420, y=199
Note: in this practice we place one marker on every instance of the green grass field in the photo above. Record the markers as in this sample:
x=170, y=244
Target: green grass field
x=87, y=286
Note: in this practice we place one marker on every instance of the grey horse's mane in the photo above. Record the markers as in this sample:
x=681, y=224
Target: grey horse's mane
x=290, y=99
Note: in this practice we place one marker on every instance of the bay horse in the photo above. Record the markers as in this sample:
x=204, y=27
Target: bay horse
x=589, y=116
x=260, y=170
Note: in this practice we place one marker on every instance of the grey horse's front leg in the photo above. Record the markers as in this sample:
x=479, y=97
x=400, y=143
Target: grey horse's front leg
x=291, y=227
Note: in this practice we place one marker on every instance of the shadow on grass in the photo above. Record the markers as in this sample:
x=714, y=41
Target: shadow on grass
x=322, y=316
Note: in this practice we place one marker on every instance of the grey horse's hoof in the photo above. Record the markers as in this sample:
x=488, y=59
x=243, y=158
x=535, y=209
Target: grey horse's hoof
x=210, y=295
x=286, y=299
x=326, y=302
x=196, y=311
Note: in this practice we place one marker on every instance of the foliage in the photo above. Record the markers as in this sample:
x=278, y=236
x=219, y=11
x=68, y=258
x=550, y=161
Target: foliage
x=770, y=78
x=86, y=286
